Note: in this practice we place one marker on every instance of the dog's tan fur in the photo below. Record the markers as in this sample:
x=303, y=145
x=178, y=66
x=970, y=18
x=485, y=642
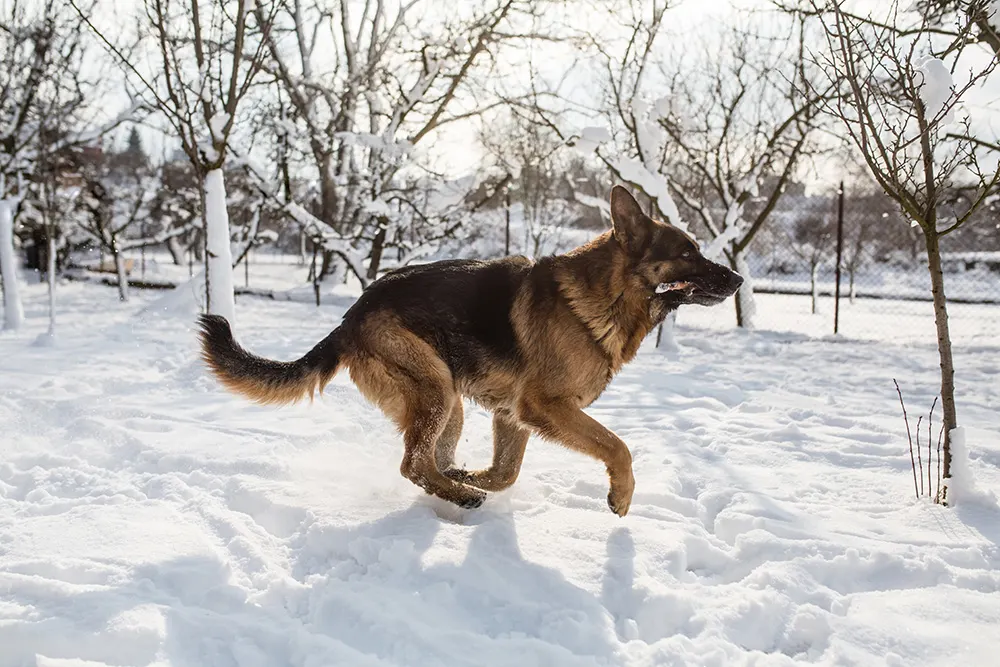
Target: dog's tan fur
x=575, y=326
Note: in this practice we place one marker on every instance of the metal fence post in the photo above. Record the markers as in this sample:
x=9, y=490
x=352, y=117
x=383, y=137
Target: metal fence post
x=840, y=250
x=506, y=212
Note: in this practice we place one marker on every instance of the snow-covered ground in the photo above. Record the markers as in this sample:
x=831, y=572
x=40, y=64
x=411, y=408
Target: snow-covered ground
x=149, y=518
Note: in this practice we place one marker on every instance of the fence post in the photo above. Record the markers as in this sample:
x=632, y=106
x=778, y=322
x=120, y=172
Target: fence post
x=840, y=249
x=506, y=208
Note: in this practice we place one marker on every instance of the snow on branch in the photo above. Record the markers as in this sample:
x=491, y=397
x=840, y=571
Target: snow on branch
x=650, y=181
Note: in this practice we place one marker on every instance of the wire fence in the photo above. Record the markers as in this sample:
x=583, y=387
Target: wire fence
x=884, y=284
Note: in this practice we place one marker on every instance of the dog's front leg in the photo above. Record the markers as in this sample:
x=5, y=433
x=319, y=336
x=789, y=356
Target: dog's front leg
x=564, y=422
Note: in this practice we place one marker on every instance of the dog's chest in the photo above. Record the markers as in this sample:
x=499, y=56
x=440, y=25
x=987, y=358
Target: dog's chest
x=588, y=379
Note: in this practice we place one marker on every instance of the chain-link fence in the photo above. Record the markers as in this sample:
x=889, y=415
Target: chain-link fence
x=884, y=282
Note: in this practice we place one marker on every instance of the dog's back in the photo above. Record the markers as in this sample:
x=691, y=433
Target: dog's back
x=462, y=308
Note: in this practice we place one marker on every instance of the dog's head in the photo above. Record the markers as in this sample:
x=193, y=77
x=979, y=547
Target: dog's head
x=665, y=261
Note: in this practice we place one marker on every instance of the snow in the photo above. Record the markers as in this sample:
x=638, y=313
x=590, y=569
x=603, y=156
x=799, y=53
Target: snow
x=936, y=88
x=220, y=254
x=993, y=13
x=600, y=203
x=13, y=312
x=731, y=233
x=662, y=106
x=961, y=487
x=748, y=305
x=378, y=207
x=217, y=125
x=643, y=176
x=654, y=185
x=149, y=518
x=591, y=138
x=596, y=134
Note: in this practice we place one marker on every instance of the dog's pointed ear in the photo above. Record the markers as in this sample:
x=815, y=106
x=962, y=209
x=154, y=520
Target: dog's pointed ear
x=632, y=228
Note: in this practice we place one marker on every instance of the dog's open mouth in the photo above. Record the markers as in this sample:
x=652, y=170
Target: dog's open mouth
x=698, y=291
x=674, y=286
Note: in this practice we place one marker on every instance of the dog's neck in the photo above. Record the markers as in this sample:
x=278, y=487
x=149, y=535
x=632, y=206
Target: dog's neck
x=596, y=281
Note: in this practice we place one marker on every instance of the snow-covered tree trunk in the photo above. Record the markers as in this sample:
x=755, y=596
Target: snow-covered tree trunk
x=120, y=270
x=51, y=271
x=219, y=261
x=13, y=312
x=814, y=285
x=665, y=340
x=747, y=307
x=176, y=250
x=851, y=289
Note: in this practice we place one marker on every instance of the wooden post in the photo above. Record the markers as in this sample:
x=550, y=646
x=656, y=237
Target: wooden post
x=840, y=250
x=506, y=243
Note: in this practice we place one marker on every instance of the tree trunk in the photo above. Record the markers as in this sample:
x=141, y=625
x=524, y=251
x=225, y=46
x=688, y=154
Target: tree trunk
x=944, y=346
x=813, y=286
x=50, y=232
x=852, y=285
x=665, y=340
x=221, y=299
x=378, y=245
x=176, y=251
x=120, y=270
x=13, y=312
x=746, y=307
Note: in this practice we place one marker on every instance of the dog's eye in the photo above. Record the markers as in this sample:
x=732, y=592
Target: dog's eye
x=686, y=254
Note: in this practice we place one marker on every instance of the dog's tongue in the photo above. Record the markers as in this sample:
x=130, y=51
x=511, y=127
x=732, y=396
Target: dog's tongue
x=672, y=287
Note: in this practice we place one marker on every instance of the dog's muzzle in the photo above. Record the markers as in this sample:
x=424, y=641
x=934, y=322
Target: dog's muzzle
x=714, y=286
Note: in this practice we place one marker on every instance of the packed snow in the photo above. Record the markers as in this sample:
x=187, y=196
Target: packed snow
x=936, y=88
x=149, y=518
x=13, y=311
x=218, y=246
x=591, y=138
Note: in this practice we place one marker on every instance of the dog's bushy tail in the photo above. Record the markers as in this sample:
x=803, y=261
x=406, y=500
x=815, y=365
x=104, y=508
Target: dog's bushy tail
x=263, y=380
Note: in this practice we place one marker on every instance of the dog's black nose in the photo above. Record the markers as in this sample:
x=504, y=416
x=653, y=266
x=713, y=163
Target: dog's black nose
x=737, y=280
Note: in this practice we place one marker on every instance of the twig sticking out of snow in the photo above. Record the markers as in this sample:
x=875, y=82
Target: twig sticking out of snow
x=920, y=461
x=937, y=496
x=917, y=462
x=930, y=418
x=909, y=438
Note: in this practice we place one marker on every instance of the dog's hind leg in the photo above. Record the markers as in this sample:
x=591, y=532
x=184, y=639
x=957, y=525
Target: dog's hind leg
x=447, y=443
x=509, y=442
x=405, y=377
x=428, y=416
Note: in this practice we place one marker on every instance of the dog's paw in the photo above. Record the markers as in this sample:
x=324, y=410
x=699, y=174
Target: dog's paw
x=618, y=505
x=620, y=495
x=457, y=474
x=473, y=500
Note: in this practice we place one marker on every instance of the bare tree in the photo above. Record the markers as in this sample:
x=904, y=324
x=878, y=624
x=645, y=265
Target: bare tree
x=44, y=98
x=868, y=215
x=369, y=83
x=896, y=105
x=541, y=168
x=207, y=58
x=120, y=193
x=811, y=239
x=13, y=310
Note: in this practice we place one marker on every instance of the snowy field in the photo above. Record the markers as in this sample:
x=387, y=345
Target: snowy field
x=149, y=518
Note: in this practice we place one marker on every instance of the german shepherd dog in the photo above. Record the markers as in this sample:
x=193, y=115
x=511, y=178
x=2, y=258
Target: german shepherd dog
x=534, y=342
